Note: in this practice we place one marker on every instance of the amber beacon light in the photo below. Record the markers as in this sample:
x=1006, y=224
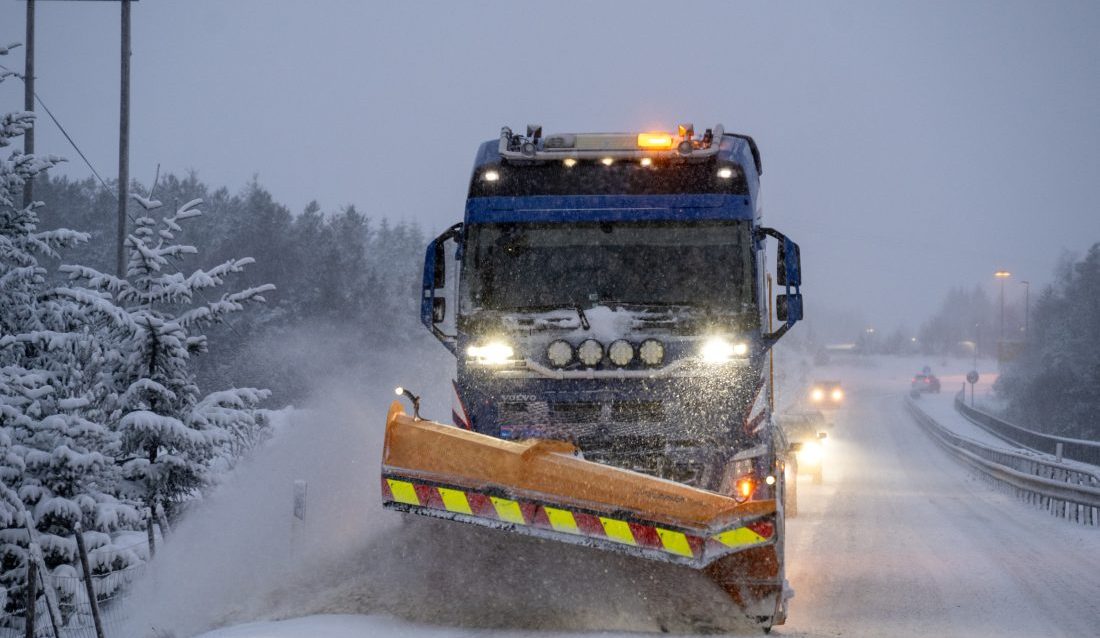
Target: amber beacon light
x=655, y=140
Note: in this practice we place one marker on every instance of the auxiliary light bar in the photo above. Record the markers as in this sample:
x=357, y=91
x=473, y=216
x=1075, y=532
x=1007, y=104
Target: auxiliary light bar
x=599, y=146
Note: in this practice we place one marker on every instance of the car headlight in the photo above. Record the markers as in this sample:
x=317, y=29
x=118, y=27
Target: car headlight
x=560, y=353
x=721, y=350
x=590, y=352
x=652, y=352
x=838, y=394
x=493, y=353
x=620, y=352
x=810, y=453
x=817, y=395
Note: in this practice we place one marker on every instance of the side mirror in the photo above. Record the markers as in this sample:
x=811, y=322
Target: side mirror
x=788, y=266
x=439, y=268
x=822, y=435
x=433, y=309
x=788, y=308
x=796, y=447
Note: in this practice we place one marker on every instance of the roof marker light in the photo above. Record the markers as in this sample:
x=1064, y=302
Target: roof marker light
x=655, y=140
x=569, y=162
x=647, y=161
x=607, y=161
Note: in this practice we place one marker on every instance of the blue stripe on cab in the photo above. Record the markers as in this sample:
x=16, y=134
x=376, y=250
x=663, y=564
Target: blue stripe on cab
x=601, y=208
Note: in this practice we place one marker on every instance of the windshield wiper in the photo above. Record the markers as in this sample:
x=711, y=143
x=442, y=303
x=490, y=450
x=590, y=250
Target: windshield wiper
x=584, y=319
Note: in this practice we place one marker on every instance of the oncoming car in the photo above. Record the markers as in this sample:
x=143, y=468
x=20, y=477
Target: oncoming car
x=824, y=394
x=807, y=440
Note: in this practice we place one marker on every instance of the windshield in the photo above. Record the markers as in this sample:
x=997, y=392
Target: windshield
x=530, y=266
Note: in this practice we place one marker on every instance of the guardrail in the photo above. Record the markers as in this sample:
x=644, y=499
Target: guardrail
x=1074, y=449
x=1069, y=492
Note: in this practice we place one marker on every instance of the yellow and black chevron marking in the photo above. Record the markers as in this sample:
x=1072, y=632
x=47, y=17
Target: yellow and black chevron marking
x=578, y=526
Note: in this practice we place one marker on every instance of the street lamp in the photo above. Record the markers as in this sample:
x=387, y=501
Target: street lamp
x=1002, y=275
x=1027, y=309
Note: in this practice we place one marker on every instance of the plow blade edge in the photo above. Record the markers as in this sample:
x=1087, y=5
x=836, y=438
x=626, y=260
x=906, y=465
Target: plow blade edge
x=543, y=489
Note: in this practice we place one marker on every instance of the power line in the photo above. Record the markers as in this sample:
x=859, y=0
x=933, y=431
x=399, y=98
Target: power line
x=70, y=139
x=62, y=129
x=174, y=266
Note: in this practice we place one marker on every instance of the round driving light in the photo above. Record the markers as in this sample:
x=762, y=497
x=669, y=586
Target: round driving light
x=607, y=161
x=740, y=349
x=646, y=161
x=490, y=176
x=620, y=352
x=569, y=162
x=560, y=353
x=725, y=172
x=590, y=352
x=528, y=149
x=652, y=352
x=685, y=147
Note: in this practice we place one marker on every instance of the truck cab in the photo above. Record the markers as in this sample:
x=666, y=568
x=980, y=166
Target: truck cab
x=610, y=290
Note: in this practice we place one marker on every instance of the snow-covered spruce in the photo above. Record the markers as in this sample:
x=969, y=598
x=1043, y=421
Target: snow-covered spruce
x=170, y=434
x=56, y=448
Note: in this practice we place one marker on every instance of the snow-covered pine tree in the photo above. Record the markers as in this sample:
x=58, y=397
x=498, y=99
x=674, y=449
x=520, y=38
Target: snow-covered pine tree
x=56, y=468
x=171, y=435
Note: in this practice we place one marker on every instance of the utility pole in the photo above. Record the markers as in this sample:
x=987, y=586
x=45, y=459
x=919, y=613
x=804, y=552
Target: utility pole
x=28, y=99
x=123, y=142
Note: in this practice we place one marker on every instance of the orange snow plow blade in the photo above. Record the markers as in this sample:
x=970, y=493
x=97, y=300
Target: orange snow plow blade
x=541, y=488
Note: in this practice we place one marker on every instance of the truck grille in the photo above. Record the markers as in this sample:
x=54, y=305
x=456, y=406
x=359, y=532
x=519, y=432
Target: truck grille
x=575, y=412
x=579, y=413
x=637, y=411
x=653, y=437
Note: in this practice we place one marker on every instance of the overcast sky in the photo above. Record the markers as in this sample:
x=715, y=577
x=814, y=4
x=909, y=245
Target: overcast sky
x=907, y=146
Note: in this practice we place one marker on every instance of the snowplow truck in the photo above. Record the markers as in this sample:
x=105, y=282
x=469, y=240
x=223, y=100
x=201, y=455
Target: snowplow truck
x=609, y=302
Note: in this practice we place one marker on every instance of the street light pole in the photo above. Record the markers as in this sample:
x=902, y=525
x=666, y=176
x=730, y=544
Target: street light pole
x=1002, y=275
x=1027, y=310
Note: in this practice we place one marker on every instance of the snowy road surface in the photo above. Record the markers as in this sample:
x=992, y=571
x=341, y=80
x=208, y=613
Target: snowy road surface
x=898, y=541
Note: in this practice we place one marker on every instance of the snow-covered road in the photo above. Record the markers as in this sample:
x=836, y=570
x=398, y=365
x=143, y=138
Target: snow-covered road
x=900, y=540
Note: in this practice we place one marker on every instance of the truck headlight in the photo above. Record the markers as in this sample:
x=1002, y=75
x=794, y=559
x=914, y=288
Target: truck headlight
x=620, y=352
x=721, y=350
x=810, y=454
x=817, y=395
x=560, y=353
x=493, y=353
x=837, y=394
x=652, y=352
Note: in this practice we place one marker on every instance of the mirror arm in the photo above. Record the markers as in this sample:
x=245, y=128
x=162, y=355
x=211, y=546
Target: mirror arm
x=771, y=338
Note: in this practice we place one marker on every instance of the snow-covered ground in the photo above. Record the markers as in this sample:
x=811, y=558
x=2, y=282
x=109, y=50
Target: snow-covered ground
x=900, y=540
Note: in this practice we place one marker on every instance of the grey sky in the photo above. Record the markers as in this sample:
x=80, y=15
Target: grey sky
x=906, y=146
